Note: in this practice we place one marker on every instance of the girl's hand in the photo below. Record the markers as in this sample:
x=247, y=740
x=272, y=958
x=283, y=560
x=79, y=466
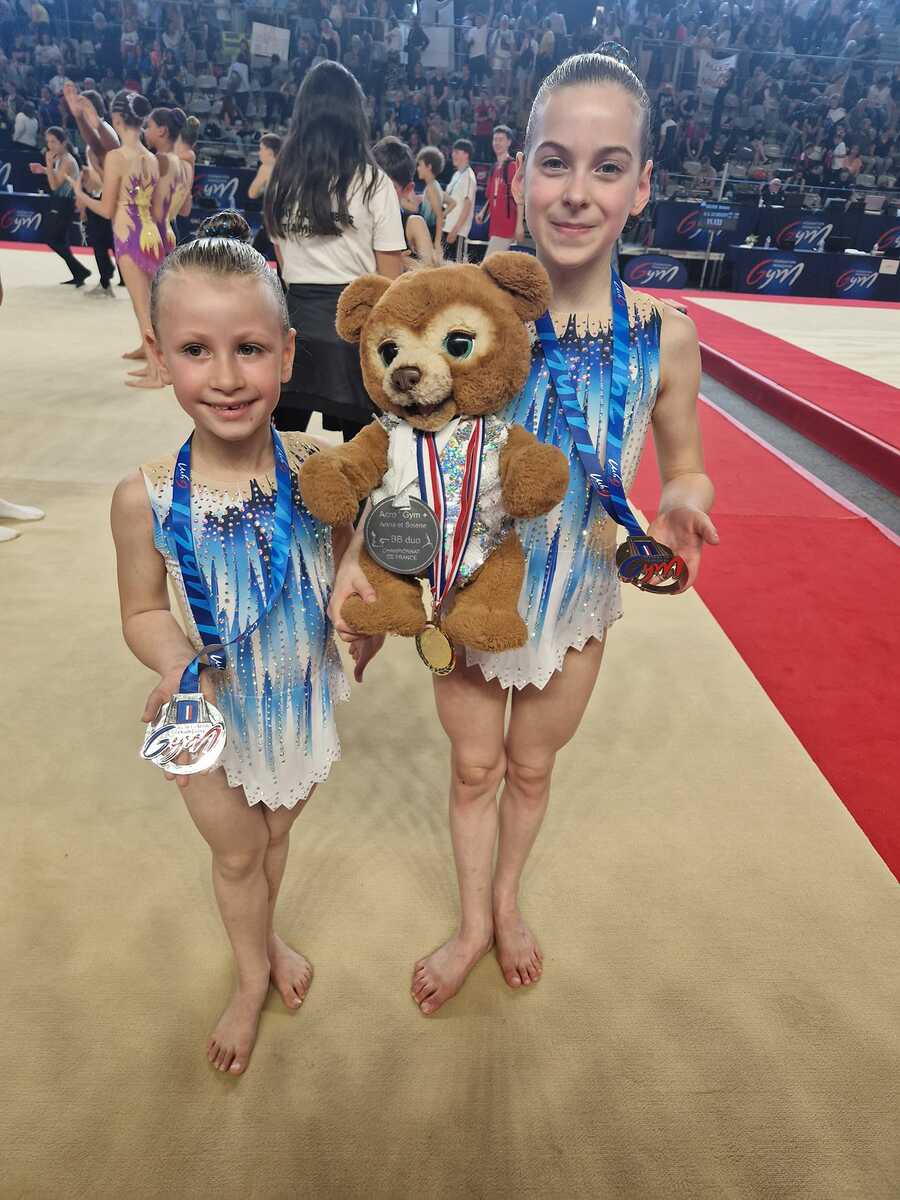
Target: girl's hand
x=351, y=580
x=362, y=651
x=685, y=530
x=162, y=694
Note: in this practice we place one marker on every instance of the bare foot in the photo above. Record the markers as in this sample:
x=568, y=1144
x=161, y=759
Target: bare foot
x=518, y=952
x=231, y=1042
x=291, y=972
x=141, y=352
x=439, y=976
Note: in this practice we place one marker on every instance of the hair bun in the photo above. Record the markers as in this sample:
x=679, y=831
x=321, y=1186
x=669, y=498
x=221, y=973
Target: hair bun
x=179, y=116
x=225, y=224
x=619, y=53
x=138, y=104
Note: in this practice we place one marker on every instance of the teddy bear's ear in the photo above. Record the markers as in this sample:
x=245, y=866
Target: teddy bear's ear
x=523, y=277
x=357, y=301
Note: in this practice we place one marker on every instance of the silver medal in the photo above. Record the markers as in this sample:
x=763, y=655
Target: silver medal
x=189, y=729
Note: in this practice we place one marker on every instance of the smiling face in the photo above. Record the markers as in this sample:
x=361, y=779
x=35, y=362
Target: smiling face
x=222, y=344
x=583, y=176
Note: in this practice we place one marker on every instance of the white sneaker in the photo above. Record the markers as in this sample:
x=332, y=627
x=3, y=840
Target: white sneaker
x=99, y=292
x=19, y=512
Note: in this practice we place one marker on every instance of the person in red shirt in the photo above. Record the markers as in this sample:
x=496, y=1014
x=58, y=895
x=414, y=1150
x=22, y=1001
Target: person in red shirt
x=485, y=115
x=500, y=208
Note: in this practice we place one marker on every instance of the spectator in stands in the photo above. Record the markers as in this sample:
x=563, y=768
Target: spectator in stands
x=485, y=117
x=707, y=177
x=476, y=43
x=25, y=130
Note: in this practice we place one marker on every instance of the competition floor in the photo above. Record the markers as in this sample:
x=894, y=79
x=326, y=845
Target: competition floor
x=717, y=1016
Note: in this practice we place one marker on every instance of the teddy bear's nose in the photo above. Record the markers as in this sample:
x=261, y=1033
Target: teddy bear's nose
x=405, y=379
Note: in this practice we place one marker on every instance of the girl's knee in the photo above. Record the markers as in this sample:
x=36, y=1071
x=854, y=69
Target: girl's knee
x=529, y=781
x=475, y=780
x=236, y=866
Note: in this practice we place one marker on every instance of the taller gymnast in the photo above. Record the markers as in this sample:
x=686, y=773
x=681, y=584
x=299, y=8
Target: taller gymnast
x=585, y=170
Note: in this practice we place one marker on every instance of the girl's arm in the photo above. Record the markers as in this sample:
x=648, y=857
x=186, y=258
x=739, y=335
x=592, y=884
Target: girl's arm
x=434, y=199
x=112, y=177
x=259, y=181
x=681, y=521
x=389, y=263
x=150, y=630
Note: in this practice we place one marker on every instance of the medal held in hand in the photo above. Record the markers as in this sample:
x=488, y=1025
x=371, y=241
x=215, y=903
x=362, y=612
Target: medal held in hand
x=641, y=560
x=434, y=647
x=189, y=733
x=187, y=737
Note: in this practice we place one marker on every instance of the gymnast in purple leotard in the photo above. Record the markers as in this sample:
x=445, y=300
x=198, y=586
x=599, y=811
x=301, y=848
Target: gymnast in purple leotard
x=130, y=176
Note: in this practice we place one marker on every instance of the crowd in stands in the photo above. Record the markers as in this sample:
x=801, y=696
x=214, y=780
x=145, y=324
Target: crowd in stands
x=813, y=95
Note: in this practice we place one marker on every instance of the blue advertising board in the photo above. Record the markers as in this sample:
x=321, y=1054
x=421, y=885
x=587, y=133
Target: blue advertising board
x=655, y=270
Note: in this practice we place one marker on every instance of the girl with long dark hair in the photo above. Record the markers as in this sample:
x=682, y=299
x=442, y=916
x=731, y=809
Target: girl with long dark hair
x=333, y=215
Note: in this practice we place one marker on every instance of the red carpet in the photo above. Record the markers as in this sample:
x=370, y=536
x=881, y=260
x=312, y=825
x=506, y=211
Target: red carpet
x=852, y=415
x=786, y=585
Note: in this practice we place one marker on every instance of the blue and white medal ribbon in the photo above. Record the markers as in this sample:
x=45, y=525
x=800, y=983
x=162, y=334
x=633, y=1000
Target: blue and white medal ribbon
x=641, y=557
x=189, y=734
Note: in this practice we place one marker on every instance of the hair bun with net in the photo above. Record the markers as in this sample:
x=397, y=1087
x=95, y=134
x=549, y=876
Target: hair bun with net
x=226, y=224
x=619, y=53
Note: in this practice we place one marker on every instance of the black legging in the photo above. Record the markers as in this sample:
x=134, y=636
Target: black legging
x=100, y=239
x=56, y=233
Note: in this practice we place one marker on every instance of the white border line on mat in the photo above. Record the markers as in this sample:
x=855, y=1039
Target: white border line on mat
x=801, y=471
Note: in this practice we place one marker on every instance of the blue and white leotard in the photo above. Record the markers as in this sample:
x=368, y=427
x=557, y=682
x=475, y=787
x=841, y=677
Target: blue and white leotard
x=571, y=590
x=279, y=689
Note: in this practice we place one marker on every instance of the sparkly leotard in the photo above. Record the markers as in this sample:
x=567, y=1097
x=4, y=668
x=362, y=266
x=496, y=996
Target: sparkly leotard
x=135, y=233
x=279, y=689
x=571, y=590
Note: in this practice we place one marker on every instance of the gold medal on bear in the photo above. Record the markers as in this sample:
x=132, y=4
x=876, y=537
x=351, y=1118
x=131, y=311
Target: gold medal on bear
x=436, y=650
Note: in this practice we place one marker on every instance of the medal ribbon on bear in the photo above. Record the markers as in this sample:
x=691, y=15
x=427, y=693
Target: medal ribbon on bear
x=434, y=647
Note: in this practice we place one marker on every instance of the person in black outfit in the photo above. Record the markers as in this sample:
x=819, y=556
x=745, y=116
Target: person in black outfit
x=89, y=113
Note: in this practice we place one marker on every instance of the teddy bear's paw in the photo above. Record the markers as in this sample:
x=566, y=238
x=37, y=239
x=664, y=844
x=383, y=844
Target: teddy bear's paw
x=537, y=482
x=400, y=615
x=483, y=628
x=326, y=493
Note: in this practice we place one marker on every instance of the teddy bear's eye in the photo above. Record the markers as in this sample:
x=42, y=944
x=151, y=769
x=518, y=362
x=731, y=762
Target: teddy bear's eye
x=459, y=344
x=388, y=352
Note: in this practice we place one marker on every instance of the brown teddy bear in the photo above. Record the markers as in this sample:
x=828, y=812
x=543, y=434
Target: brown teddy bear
x=443, y=350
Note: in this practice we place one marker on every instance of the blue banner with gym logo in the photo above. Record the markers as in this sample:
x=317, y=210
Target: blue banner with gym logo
x=773, y=272
x=679, y=226
x=655, y=271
